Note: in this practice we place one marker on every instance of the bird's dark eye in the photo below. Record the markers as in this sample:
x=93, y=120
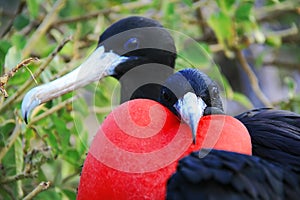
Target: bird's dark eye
x=132, y=44
x=165, y=95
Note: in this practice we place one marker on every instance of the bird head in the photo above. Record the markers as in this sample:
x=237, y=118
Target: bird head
x=136, y=46
x=191, y=94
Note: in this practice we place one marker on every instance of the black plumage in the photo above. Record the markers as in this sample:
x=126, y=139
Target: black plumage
x=215, y=174
x=151, y=52
x=275, y=134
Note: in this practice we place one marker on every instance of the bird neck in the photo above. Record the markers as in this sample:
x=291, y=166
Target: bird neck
x=144, y=81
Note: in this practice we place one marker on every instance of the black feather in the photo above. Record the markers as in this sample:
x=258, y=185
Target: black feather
x=275, y=135
x=250, y=178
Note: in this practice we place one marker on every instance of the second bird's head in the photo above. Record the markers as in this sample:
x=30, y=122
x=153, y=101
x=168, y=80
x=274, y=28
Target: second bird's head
x=191, y=94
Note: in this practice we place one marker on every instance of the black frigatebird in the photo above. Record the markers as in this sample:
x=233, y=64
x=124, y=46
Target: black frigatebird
x=275, y=134
x=137, y=51
x=133, y=50
x=272, y=174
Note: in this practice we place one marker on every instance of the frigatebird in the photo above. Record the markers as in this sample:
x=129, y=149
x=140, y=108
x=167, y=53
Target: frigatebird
x=272, y=174
x=275, y=134
x=137, y=51
x=132, y=50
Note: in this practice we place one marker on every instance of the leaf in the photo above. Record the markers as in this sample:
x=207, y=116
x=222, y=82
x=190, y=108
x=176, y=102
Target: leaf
x=243, y=12
x=274, y=41
x=188, y=2
x=19, y=163
x=19, y=41
x=52, y=140
x=72, y=157
x=226, y=5
x=21, y=21
x=291, y=85
x=194, y=55
x=223, y=28
x=169, y=10
x=12, y=58
x=69, y=193
x=33, y=8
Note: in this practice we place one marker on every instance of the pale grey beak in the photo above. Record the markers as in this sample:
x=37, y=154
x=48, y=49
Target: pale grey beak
x=98, y=65
x=191, y=109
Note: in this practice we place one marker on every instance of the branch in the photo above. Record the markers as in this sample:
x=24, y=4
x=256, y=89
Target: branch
x=116, y=9
x=252, y=78
x=52, y=110
x=278, y=63
x=4, y=79
x=207, y=33
x=41, y=187
x=269, y=12
x=26, y=85
x=293, y=30
x=17, y=177
x=43, y=28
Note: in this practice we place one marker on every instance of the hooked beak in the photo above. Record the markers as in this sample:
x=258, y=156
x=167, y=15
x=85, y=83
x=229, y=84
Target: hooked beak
x=97, y=66
x=191, y=109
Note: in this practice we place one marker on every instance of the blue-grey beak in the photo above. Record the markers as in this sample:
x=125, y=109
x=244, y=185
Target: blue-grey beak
x=97, y=66
x=191, y=109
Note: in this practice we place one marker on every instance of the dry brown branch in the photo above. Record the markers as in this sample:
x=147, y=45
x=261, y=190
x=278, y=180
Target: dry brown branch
x=41, y=187
x=28, y=83
x=252, y=77
x=4, y=79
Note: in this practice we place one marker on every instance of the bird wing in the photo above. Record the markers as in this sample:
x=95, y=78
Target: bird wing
x=229, y=175
x=275, y=135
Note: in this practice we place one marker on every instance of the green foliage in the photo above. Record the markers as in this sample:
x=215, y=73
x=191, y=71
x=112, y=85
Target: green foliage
x=54, y=147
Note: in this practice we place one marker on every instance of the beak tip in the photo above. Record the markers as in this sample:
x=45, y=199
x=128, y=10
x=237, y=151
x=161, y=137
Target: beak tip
x=28, y=104
x=194, y=135
x=25, y=116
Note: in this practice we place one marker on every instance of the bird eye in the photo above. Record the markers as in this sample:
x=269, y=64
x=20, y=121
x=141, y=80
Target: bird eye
x=165, y=95
x=131, y=44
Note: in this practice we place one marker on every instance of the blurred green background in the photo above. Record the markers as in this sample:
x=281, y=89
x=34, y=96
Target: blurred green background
x=251, y=48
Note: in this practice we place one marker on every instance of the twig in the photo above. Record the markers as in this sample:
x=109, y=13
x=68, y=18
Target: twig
x=252, y=78
x=4, y=79
x=278, y=63
x=293, y=30
x=17, y=177
x=268, y=12
x=26, y=85
x=75, y=174
x=117, y=8
x=12, y=138
x=33, y=164
x=41, y=187
x=206, y=31
x=42, y=29
x=52, y=110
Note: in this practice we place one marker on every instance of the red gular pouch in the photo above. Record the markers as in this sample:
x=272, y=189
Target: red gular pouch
x=138, y=146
